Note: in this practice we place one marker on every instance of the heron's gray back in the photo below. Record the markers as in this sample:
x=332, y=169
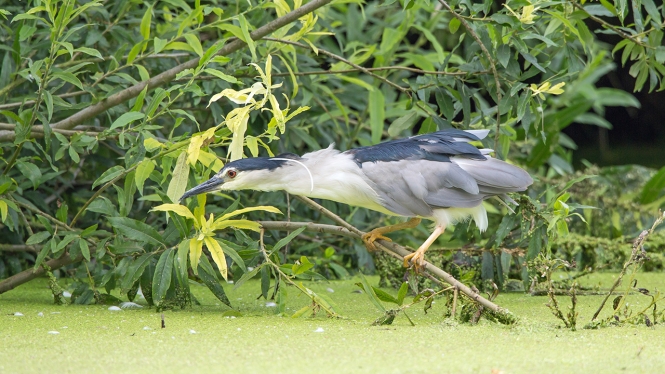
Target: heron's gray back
x=417, y=187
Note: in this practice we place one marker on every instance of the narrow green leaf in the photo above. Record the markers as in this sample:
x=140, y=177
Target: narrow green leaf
x=67, y=77
x=89, y=51
x=533, y=61
x=48, y=99
x=143, y=171
x=162, y=277
x=195, y=43
x=108, y=175
x=206, y=274
x=402, y=123
x=653, y=188
x=377, y=114
x=131, y=56
x=38, y=237
x=159, y=44
x=244, y=27
x=287, y=239
x=401, y=294
x=536, y=243
x=136, y=230
x=432, y=39
x=134, y=271
x=145, y=23
x=3, y=210
x=180, y=261
x=85, y=249
x=221, y=75
x=384, y=296
x=370, y=293
x=126, y=118
x=178, y=182
x=248, y=275
x=46, y=249
x=30, y=171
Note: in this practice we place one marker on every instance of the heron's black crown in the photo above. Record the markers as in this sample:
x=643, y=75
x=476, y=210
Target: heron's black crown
x=261, y=163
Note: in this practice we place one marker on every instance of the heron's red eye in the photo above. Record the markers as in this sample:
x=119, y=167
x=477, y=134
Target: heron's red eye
x=232, y=173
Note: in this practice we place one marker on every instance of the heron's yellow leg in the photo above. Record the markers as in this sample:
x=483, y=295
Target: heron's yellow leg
x=376, y=234
x=417, y=258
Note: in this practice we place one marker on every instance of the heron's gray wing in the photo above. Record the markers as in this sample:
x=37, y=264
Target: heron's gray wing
x=437, y=146
x=494, y=176
x=415, y=187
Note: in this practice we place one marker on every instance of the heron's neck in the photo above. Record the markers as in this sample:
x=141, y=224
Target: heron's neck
x=331, y=175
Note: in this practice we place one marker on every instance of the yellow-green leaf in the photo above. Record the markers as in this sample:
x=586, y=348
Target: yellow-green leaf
x=242, y=224
x=195, y=249
x=194, y=149
x=217, y=255
x=3, y=210
x=143, y=171
x=178, y=209
x=159, y=44
x=151, y=144
x=195, y=43
x=253, y=145
x=178, y=46
x=178, y=182
x=145, y=24
x=265, y=208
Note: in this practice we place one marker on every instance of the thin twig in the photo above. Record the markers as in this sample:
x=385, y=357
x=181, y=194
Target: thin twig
x=609, y=26
x=32, y=102
x=342, y=59
x=636, y=253
x=39, y=130
x=453, y=311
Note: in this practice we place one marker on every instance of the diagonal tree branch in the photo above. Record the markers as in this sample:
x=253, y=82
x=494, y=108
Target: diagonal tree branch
x=169, y=75
x=397, y=251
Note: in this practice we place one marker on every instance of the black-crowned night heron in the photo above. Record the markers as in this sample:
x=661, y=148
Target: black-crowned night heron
x=437, y=176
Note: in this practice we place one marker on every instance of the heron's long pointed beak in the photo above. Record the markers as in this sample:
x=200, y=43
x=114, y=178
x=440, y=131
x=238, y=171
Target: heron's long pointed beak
x=210, y=185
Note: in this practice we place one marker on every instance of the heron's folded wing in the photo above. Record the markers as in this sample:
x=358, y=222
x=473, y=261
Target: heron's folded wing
x=415, y=187
x=495, y=176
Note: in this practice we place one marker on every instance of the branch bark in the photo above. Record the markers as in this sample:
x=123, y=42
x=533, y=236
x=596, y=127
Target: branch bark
x=397, y=251
x=28, y=275
x=169, y=75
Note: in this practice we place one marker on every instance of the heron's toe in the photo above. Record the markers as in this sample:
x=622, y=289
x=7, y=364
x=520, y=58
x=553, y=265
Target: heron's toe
x=372, y=236
x=415, y=259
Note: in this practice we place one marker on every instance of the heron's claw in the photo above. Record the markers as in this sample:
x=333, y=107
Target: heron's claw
x=372, y=236
x=415, y=259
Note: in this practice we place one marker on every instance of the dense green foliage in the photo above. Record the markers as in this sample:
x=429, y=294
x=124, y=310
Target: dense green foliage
x=114, y=108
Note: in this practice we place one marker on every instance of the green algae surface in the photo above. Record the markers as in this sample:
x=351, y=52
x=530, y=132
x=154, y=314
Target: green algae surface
x=89, y=339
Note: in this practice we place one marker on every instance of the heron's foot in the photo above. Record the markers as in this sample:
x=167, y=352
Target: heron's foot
x=372, y=236
x=415, y=259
